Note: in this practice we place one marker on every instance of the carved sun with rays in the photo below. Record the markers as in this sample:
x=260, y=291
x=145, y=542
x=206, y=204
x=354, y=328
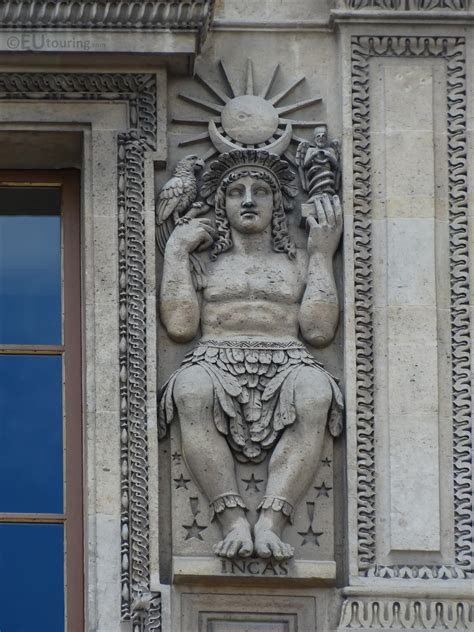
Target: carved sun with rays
x=247, y=120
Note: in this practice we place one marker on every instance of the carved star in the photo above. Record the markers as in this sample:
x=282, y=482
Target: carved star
x=252, y=483
x=310, y=536
x=176, y=457
x=194, y=531
x=182, y=482
x=327, y=461
x=322, y=490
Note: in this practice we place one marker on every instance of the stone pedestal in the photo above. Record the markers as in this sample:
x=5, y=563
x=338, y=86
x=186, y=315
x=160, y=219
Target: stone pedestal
x=193, y=533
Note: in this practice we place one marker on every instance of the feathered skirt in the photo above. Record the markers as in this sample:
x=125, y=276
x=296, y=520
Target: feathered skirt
x=254, y=391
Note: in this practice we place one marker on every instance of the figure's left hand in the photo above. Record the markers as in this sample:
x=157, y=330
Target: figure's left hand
x=325, y=227
x=197, y=209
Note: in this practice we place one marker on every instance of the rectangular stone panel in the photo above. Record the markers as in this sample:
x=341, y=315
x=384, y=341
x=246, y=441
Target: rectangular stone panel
x=187, y=552
x=235, y=622
x=410, y=291
x=235, y=612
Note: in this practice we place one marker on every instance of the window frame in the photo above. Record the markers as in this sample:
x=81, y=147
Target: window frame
x=70, y=350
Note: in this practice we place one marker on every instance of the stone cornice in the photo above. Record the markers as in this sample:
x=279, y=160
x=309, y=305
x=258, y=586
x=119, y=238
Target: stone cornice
x=407, y=11
x=152, y=15
x=404, y=5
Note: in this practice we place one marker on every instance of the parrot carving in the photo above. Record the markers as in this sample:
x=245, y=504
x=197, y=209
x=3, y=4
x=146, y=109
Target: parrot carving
x=176, y=203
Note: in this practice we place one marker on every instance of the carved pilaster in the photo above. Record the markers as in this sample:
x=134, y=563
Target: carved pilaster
x=135, y=525
x=452, y=51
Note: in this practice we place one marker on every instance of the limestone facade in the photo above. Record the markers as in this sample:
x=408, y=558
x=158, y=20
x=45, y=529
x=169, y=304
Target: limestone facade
x=383, y=531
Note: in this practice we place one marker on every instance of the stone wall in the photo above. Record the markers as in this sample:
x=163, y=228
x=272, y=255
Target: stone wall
x=380, y=535
x=396, y=93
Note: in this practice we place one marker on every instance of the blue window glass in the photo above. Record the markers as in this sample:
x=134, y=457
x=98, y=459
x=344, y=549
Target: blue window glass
x=31, y=434
x=31, y=577
x=30, y=265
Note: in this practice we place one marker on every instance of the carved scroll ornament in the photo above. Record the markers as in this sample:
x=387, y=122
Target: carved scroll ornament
x=407, y=614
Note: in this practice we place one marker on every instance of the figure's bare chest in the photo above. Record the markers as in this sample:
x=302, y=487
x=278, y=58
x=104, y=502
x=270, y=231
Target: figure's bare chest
x=276, y=279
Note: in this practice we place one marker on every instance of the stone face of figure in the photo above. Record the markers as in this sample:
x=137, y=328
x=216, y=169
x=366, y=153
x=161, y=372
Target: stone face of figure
x=250, y=389
x=249, y=205
x=321, y=136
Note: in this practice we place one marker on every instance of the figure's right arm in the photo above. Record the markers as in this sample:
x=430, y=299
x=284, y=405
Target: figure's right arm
x=179, y=305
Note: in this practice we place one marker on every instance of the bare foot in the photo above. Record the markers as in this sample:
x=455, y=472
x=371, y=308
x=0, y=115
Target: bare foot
x=268, y=544
x=237, y=542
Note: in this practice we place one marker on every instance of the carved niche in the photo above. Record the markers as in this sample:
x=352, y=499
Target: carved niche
x=246, y=296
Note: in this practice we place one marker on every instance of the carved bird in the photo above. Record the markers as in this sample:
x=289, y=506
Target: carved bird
x=176, y=203
x=176, y=198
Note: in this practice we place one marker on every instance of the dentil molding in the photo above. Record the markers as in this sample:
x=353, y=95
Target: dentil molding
x=153, y=15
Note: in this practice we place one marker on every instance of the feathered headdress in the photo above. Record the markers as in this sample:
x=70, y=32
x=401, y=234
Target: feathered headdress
x=249, y=159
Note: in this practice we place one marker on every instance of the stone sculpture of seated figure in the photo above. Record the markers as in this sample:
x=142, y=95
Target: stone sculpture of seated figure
x=250, y=387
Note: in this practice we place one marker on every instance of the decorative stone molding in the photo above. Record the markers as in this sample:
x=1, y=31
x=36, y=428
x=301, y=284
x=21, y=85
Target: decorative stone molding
x=139, y=92
x=452, y=50
x=108, y=14
x=417, y=572
x=406, y=614
x=407, y=5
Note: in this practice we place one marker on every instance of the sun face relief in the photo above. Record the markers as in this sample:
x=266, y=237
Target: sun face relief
x=249, y=204
x=250, y=119
x=253, y=118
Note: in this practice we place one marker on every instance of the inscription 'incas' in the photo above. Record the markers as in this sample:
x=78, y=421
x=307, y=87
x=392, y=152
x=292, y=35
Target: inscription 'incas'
x=254, y=567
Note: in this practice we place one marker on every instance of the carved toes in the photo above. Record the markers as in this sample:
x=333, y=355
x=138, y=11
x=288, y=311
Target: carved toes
x=246, y=549
x=232, y=547
x=283, y=552
x=268, y=544
x=217, y=548
x=263, y=550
